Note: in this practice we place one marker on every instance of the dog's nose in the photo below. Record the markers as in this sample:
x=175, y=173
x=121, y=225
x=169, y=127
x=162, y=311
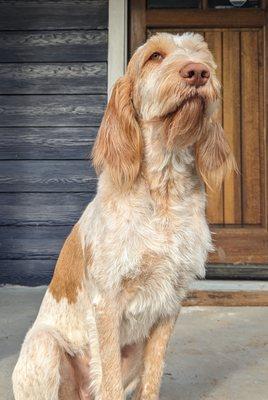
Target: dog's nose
x=195, y=74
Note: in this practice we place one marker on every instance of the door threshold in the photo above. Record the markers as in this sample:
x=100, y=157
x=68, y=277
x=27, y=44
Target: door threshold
x=227, y=293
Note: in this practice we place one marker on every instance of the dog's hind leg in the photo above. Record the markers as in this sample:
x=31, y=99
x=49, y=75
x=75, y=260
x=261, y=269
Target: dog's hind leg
x=37, y=372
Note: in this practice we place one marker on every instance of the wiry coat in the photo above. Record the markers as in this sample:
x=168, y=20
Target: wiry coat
x=107, y=315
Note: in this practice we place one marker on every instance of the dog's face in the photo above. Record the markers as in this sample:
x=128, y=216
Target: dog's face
x=170, y=81
x=172, y=71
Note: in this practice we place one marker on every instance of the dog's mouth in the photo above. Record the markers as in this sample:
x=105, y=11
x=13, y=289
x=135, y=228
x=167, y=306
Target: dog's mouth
x=186, y=124
x=190, y=104
x=196, y=100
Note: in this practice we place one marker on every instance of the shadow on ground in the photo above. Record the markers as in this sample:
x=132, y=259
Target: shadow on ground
x=216, y=353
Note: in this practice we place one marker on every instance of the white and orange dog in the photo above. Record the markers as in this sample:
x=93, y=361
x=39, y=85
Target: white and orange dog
x=106, y=318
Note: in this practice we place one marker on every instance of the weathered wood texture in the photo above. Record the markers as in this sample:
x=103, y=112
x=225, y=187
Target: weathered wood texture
x=51, y=110
x=62, y=143
x=26, y=272
x=51, y=14
x=53, y=80
x=43, y=208
x=46, y=176
x=31, y=242
x=53, y=46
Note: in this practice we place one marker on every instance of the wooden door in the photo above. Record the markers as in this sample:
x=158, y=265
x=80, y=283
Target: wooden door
x=237, y=38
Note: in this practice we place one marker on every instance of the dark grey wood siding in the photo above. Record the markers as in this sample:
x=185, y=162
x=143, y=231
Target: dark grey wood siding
x=53, y=82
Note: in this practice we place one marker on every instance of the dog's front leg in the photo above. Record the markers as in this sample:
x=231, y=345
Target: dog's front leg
x=108, y=322
x=154, y=355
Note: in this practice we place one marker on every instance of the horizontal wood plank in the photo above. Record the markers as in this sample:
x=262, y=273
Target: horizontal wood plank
x=26, y=272
x=32, y=242
x=46, y=143
x=240, y=246
x=226, y=299
x=42, y=208
x=48, y=110
x=74, y=78
x=53, y=46
x=51, y=14
x=242, y=18
x=234, y=271
x=47, y=176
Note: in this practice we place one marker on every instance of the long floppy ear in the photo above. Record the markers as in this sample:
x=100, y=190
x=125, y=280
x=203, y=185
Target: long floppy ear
x=214, y=156
x=118, y=146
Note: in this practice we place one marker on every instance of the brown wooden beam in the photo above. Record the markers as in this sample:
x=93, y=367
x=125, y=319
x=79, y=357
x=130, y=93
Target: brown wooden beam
x=165, y=18
x=226, y=298
x=238, y=246
x=137, y=30
x=234, y=271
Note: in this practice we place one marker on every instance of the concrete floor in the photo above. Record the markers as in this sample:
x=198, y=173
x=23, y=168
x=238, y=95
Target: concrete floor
x=216, y=353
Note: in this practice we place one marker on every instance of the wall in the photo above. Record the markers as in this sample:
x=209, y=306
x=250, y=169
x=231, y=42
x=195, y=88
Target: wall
x=53, y=77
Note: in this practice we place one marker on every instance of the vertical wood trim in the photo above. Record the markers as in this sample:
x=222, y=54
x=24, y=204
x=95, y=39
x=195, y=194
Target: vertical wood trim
x=204, y=4
x=231, y=122
x=117, y=43
x=263, y=114
x=265, y=119
x=263, y=4
x=137, y=29
x=215, y=197
x=251, y=183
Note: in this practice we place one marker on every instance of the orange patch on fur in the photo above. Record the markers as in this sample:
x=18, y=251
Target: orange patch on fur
x=214, y=156
x=118, y=146
x=70, y=268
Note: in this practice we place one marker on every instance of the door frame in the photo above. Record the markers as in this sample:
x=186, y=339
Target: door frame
x=117, y=40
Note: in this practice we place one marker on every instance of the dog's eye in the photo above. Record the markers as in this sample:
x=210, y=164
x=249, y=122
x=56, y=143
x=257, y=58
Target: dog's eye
x=156, y=56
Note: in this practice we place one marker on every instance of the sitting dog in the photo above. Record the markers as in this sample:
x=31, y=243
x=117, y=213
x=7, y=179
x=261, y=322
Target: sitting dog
x=106, y=318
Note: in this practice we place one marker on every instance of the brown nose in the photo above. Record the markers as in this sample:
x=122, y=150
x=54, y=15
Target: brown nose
x=195, y=74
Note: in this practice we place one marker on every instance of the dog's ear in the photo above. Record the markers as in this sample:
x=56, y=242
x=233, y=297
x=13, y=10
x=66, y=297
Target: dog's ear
x=118, y=146
x=213, y=155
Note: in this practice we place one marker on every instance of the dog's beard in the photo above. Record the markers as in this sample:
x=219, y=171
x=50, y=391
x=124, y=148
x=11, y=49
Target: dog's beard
x=186, y=125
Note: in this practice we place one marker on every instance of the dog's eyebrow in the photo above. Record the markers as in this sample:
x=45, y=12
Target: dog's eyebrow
x=162, y=46
x=153, y=49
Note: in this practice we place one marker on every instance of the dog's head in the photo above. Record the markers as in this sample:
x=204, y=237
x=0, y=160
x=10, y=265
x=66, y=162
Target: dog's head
x=169, y=80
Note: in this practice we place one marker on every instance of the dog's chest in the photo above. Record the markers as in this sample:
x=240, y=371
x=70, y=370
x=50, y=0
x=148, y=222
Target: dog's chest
x=174, y=255
x=152, y=294
x=150, y=256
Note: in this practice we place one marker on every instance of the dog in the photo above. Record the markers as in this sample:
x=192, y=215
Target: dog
x=105, y=321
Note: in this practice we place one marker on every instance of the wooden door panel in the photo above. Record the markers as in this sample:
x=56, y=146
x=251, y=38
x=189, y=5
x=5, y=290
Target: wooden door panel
x=239, y=62
x=238, y=41
x=231, y=83
x=215, y=208
x=250, y=118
